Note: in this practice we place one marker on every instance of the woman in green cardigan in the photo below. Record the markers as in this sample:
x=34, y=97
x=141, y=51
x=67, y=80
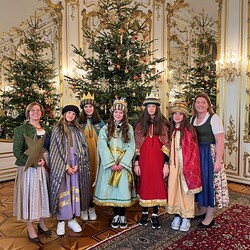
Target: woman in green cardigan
x=31, y=199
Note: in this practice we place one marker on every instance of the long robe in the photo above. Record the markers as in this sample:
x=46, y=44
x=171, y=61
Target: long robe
x=91, y=132
x=58, y=161
x=115, y=189
x=151, y=187
x=185, y=175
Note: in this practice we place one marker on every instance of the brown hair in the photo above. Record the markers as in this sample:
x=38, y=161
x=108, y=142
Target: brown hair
x=184, y=124
x=205, y=96
x=62, y=124
x=145, y=121
x=30, y=106
x=124, y=127
x=95, y=116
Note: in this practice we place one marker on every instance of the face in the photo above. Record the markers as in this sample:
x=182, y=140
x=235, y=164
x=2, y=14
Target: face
x=201, y=105
x=178, y=117
x=88, y=109
x=70, y=116
x=35, y=113
x=118, y=115
x=151, y=109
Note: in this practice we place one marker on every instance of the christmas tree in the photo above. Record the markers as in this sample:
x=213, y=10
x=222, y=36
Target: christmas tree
x=121, y=63
x=30, y=78
x=201, y=75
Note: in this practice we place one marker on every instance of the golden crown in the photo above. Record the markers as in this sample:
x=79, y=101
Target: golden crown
x=88, y=96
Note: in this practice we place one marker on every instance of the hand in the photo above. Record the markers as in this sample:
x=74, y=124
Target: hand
x=70, y=171
x=120, y=167
x=137, y=170
x=165, y=171
x=75, y=169
x=217, y=166
x=41, y=162
x=115, y=168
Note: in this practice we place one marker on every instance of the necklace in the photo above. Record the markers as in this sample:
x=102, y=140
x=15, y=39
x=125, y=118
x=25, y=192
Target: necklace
x=201, y=117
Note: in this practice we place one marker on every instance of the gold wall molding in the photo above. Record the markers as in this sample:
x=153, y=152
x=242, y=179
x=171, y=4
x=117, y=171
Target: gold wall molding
x=74, y=4
x=246, y=171
x=57, y=16
x=230, y=137
x=230, y=166
x=246, y=136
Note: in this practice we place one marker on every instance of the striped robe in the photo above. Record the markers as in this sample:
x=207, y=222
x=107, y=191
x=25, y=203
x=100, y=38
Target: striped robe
x=58, y=161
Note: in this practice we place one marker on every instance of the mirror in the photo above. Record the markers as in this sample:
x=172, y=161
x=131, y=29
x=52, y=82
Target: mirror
x=183, y=29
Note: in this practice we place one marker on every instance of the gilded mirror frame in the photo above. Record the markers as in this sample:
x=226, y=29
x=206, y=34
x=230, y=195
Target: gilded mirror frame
x=246, y=136
x=177, y=6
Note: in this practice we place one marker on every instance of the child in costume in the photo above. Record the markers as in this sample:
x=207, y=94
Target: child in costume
x=151, y=163
x=115, y=183
x=91, y=123
x=184, y=179
x=69, y=170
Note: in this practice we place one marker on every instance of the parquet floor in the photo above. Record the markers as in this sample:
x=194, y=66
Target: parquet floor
x=13, y=233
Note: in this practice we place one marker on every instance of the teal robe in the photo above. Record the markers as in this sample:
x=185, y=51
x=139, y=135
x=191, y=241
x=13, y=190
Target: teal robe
x=114, y=152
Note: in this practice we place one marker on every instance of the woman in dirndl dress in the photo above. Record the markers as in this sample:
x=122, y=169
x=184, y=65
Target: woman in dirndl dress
x=209, y=129
x=31, y=199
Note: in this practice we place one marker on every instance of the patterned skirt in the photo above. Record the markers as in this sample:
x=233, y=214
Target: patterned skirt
x=31, y=199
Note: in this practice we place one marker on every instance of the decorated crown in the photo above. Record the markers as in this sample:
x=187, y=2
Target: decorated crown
x=88, y=99
x=152, y=98
x=179, y=106
x=119, y=104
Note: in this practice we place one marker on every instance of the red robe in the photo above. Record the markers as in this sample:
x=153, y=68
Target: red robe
x=151, y=187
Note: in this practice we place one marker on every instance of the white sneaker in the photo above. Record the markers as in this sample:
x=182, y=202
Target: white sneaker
x=73, y=224
x=60, y=230
x=123, y=222
x=185, y=225
x=176, y=223
x=115, y=222
x=92, y=214
x=84, y=215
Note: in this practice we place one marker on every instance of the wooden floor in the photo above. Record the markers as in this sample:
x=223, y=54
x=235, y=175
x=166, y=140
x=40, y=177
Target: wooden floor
x=13, y=233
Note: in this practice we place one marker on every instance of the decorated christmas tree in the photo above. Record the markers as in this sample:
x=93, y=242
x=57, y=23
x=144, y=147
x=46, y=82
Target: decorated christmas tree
x=121, y=63
x=30, y=76
x=201, y=75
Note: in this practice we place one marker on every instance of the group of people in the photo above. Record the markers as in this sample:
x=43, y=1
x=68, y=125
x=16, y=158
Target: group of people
x=87, y=162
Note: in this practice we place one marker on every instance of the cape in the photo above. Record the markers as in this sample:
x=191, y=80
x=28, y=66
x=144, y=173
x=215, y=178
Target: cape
x=191, y=162
x=58, y=160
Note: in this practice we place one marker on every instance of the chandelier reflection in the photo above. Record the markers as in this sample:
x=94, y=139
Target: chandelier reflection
x=228, y=67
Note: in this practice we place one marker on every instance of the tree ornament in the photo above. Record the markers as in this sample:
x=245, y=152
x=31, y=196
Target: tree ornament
x=111, y=68
x=14, y=114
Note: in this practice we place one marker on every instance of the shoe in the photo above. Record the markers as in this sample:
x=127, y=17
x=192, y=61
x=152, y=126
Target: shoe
x=34, y=240
x=115, y=222
x=201, y=225
x=176, y=223
x=185, y=225
x=73, y=224
x=144, y=219
x=123, y=222
x=200, y=216
x=46, y=233
x=84, y=215
x=155, y=222
x=92, y=214
x=60, y=230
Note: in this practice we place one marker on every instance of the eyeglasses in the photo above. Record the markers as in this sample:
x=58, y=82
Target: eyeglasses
x=35, y=110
